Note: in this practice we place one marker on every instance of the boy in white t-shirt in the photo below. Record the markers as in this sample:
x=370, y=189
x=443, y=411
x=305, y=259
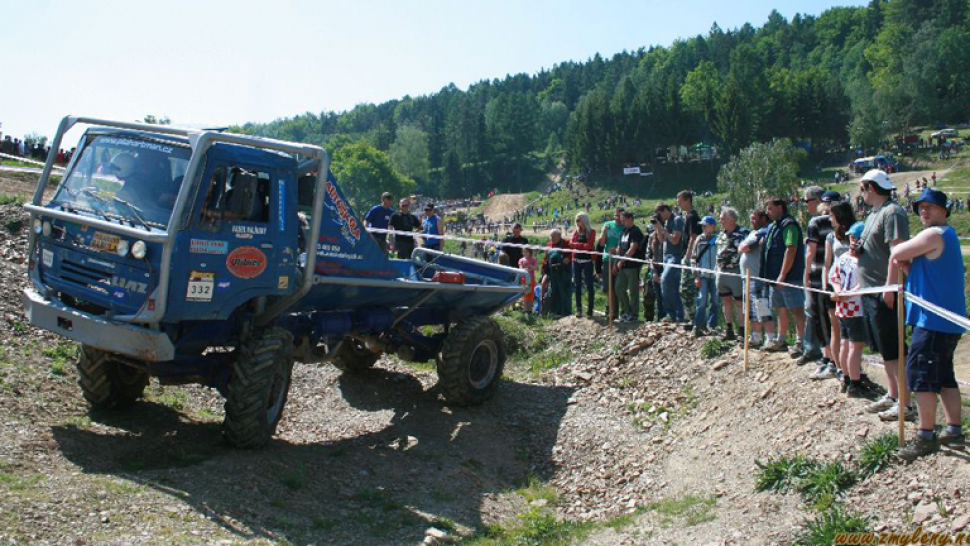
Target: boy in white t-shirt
x=844, y=277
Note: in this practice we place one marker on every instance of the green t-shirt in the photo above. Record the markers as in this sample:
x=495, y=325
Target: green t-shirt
x=790, y=235
x=613, y=231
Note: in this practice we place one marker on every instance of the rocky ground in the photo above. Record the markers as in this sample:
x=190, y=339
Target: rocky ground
x=636, y=419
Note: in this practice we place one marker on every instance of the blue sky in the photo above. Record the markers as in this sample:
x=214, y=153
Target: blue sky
x=219, y=62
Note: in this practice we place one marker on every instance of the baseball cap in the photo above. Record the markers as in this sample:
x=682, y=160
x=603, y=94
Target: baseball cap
x=831, y=197
x=935, y=197
x=429, y=206
x=878, y=178
x=856, y=230
x=709, y=220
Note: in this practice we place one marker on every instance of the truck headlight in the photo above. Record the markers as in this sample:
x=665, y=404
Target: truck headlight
x=139, y=250
x=38, y=226
x=47, y=229
x=122, y=248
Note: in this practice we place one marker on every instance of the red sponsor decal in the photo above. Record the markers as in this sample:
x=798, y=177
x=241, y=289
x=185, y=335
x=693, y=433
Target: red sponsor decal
x=246, y=262
x=343, y=211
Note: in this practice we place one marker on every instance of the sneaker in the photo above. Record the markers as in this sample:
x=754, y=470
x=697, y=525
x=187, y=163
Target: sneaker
x=824, y=371
x=953, y=441
x=687, y=326
x=666, y=319
x=892, y=414
x=795, y=351
x=755, y=343
x=853, y=391
x=776, y=346
x=729, y=335
x=918, y=447
x=881, y=405
x=699, y=332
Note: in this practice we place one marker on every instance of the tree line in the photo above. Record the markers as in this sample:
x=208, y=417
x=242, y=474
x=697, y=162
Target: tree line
x=849, y=75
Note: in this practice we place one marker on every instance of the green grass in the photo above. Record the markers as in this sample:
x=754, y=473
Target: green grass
x=877, y=454
x=824, y=529
x=9, y=199
x=780, y=474
x=61, y=355
x=714, y=348
x=176, y=399
x=693, y=509
x=10, y=481
x=819, y=483
x=549, y=359
x=536, y=489
x=537, y=527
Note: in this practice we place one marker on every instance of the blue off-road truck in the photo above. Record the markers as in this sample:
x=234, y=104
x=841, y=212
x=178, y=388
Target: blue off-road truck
x=219, y=259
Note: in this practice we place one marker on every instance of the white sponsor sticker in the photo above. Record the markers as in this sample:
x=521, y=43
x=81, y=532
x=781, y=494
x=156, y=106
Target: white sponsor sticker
x=47, y=256
x=200, y=286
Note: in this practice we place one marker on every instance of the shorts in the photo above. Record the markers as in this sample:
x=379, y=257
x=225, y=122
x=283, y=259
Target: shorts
x=853, y=329
x=760, y=306
x=787, y=297
x=929, y=366
x=881, y=330
x=730, y=285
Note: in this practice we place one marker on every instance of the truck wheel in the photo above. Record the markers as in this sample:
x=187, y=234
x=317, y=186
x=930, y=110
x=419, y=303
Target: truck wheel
x=106, y=381
x=258, y=388
x=471, y=362
x=354, y=357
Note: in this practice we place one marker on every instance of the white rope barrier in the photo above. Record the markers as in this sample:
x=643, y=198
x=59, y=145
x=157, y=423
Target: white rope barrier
x=25, y=160
x=542, y=248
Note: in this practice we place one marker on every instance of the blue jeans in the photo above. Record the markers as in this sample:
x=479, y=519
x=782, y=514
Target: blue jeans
x=708, y=304
x=670, y=289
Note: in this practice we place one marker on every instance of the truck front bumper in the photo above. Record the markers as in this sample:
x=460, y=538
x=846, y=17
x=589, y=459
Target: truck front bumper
x=125, y=339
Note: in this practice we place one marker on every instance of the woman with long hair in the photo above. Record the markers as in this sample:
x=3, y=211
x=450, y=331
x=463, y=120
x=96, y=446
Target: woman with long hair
x=836, y=243
x=583, y=239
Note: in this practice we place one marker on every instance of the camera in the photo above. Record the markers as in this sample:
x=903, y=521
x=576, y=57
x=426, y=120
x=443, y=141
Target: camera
x=655, y=219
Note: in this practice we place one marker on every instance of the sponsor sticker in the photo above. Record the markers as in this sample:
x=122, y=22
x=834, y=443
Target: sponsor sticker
x=47, y=257
x=205, y=246
x=242, y=231
x=200, y=286
x=283, y=283
x=104, y=242
x=223, y=285
x=281, y=213
x=246, y=262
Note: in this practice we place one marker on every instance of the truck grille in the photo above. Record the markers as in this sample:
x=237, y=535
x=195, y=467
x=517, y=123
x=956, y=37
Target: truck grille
x=86, y=276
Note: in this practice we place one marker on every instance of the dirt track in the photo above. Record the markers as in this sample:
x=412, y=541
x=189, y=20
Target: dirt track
x=501, y=206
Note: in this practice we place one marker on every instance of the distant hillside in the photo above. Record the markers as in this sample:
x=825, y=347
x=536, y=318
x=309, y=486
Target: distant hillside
x=847, y=75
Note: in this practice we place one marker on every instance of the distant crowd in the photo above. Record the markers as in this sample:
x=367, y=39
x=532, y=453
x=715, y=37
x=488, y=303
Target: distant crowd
x=33, y=150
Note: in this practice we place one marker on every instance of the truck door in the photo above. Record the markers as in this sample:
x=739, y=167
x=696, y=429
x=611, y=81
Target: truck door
x=237, y=242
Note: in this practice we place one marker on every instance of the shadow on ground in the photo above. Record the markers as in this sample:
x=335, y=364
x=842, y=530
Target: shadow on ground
x=383, y=487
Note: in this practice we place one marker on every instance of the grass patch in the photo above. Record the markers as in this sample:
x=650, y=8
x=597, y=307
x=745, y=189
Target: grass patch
x=10, y=199
x=826, y=528
x=877, y=454
x=549, y=359
x=536, y=489
x=535, y=528
x=294, y=478
x=714, y=348
x=11, y=481
x=14, y=226
x=172, y=398
x=693, y=509
x=61, y=355
x=818, y=483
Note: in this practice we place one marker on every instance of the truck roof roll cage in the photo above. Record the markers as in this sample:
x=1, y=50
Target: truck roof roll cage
x=199, y=141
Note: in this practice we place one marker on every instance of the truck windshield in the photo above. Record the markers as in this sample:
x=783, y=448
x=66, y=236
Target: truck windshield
x=124, y=178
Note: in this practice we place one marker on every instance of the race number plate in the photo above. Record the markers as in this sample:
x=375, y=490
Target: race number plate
x=104, y=242
x=201, y=284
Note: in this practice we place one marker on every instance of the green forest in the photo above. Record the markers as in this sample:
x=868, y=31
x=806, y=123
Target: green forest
x=849, y=76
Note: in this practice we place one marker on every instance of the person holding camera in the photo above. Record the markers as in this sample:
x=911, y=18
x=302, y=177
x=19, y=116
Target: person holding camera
x=555, y=271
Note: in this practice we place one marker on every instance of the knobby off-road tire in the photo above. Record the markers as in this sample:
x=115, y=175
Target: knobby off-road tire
x=471, y=362
x=354, y=357
x=258, y=388
x=106, y=381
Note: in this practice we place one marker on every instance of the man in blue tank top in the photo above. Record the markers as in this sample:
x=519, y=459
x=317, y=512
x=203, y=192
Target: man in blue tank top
x=935, y=267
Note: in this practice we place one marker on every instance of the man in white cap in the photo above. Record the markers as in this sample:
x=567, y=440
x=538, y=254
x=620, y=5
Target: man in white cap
x=886, y=227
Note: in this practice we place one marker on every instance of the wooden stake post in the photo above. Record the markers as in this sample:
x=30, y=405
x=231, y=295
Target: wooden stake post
x=747, y=316
x=903, y=401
